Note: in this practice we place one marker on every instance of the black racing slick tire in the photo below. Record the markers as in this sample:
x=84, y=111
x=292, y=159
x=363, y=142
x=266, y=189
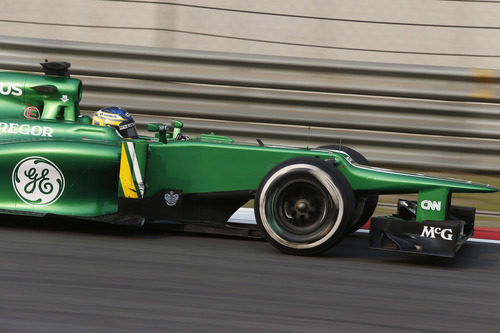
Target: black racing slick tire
x=304, y=206
x=365, y=204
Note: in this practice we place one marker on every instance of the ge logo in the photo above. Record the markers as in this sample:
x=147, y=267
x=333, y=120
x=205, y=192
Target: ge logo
x=37, y=181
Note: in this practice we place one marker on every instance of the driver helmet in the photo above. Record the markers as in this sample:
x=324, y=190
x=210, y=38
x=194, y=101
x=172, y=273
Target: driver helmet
x=118, y=118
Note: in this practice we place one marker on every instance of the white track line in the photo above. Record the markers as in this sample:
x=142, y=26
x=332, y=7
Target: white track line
x=246, y=216
x=479, y=240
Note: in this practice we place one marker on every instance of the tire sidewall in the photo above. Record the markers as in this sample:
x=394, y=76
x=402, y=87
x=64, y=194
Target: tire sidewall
x=365, y=204
x=333, y=182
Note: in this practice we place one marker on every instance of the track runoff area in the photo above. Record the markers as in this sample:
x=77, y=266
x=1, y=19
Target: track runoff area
x=481, y=235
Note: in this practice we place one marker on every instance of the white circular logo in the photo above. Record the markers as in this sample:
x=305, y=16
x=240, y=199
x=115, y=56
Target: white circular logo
x=37, y=181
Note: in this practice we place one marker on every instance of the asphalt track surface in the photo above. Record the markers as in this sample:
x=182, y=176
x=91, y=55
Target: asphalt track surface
x=67, y=276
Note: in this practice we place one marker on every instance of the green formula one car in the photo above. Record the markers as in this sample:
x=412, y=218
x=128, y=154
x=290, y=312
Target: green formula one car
x=56, y=161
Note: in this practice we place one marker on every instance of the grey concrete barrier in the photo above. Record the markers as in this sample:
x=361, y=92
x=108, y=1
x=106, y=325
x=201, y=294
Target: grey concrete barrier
x=397, y=115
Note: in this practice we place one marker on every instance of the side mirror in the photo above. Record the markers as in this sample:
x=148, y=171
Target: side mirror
x=165, y=131
x=155, y=127
x=162, y=130
x=177, y=125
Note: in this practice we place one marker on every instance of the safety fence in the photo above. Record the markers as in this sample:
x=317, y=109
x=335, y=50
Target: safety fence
x=396, y=115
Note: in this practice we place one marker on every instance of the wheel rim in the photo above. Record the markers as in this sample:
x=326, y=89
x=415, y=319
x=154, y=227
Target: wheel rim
x=300, y=207
x=278, y=218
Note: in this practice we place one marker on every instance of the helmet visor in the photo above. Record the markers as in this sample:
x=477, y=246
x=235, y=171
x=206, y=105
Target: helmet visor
x=128, y=130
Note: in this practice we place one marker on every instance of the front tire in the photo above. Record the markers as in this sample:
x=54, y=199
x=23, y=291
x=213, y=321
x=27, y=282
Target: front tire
x=304, y=206
x=365, y=204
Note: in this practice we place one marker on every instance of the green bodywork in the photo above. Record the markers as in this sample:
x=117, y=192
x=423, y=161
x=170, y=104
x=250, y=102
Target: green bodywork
x=91, y=161
x=223, y=167
x=58, y=97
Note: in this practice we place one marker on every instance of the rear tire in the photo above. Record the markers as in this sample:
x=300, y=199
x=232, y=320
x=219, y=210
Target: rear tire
x=365, y=204
x=304, y=206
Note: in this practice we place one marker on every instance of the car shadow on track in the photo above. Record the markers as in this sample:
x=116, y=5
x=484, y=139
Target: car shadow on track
x=79, y=226
x=68, y=225
x=469, y=256
x=354, y=247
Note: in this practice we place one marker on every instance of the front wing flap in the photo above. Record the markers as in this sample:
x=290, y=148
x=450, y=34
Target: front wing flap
x=403, y=233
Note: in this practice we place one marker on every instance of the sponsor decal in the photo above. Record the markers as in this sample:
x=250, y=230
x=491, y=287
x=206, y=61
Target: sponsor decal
x=31, y=112
x=432, y=232
x=37, y=181
x=125, y=126
x=64, y=98
x=26, y=129
x=171, y=198
x=130, y=173
x=103, y=114
x=10, y=89
x=136, y=169
x=431, y=205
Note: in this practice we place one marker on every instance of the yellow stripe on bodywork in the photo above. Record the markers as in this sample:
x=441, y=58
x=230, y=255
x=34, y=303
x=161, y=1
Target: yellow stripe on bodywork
x=126, y=179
